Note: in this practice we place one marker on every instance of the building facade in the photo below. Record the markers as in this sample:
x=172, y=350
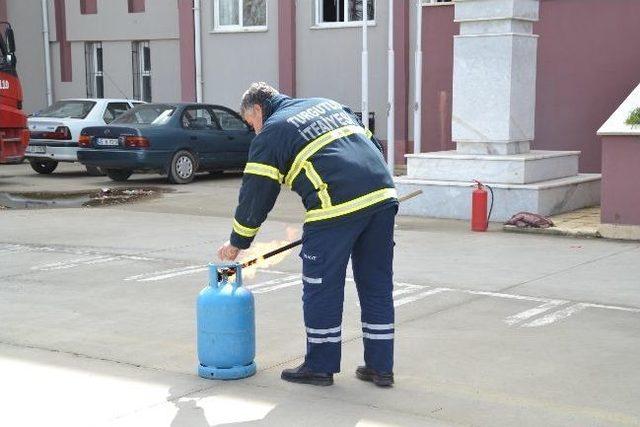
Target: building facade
x=145, y=49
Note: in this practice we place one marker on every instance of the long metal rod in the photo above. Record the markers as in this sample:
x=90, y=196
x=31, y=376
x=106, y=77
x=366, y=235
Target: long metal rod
x=197, y=47
x=391, y=81
x=417, y=114
x=299, y=242
x=47, y=52
x=365, y=66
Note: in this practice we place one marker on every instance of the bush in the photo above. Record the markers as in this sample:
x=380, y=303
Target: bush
x=634, y=118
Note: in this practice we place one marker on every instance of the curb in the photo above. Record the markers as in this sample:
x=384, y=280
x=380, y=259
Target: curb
x=554, y=231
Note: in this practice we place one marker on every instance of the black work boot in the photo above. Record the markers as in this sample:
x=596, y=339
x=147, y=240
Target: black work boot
x=304, y=375
x=378, y=378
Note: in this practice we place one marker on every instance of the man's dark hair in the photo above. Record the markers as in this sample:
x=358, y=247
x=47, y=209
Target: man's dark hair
x=257, y=94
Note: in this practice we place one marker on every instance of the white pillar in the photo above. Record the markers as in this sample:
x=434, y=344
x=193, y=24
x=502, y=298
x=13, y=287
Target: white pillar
x=391, y=115
x=417, y=113
x=47, y=51
x=197, y=25
x=494, y=77
x=365, y=67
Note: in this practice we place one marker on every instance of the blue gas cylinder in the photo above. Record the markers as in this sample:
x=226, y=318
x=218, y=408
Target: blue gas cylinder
x=226, y=325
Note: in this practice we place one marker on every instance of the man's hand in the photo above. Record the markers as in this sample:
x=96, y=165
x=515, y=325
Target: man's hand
x=228, y=252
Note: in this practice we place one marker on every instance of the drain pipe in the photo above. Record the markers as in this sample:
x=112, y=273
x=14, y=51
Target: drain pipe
x=417, y=114
x=391, y=114
x=197, y=24
x=365, y=66
x=47, y=51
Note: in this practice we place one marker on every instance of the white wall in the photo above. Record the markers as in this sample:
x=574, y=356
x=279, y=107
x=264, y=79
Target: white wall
x=165, y=70
x=117, y=69
x=231, y=61
x=77, y=87
x=114, y=22
x=26, y=20
x=329, y=62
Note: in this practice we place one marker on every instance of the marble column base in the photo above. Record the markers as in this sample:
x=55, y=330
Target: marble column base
x=531, y=167
x=452, y=199
x=620, y=231
x=499, y=148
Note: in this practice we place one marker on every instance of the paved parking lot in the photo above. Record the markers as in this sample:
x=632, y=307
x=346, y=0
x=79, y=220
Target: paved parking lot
x=97, y=307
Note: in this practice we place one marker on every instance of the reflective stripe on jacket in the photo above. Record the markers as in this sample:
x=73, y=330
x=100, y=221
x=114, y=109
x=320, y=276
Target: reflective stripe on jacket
x=319, y=149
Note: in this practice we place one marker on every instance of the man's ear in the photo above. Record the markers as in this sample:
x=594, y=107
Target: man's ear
x=258, y=110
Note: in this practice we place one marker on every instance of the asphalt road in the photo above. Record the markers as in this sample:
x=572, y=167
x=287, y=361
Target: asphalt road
x=97, y=315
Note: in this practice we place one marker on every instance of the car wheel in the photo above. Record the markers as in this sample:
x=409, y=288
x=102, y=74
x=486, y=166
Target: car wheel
x=44, y=167
x=119, y=175
x=183, y=168
x=94, y=171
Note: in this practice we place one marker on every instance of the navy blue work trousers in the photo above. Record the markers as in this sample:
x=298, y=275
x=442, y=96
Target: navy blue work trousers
x=368, y=241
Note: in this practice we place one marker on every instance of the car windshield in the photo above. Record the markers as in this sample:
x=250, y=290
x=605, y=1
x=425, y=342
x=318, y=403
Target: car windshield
x=148, y=114
x=68, y=109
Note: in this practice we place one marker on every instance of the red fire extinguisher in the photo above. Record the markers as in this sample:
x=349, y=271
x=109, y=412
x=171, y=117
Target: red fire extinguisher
x=479, y=216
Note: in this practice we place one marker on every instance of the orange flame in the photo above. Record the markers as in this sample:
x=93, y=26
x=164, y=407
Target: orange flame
x=260, y=248
x=257, y=250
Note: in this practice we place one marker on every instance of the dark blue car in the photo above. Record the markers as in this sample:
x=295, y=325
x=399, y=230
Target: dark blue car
x=173, y=139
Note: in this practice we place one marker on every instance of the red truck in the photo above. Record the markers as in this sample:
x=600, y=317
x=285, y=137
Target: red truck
x=14, y=136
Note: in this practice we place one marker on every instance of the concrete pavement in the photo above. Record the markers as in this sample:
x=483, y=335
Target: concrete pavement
x=97, y=307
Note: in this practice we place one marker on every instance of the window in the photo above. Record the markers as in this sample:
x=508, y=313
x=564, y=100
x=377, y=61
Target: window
x=114, y=110
x=88, y=7
x=141, y=62
x=147, y=114
x=198, y=118
x=229, y=120
x=341, y=12
x=135, y=6
x=71, y=109
x=239, y=15
x=93, y=66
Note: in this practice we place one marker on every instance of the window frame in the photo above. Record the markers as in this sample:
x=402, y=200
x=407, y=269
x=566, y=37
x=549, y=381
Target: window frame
x=240, y=28
x=212, y=116
x=94, y=69
x=88, y=7
x=437, y=2
x=106, y=108
x=318, y=24
x=136, y=6
x=140, y=72
x=234, y=114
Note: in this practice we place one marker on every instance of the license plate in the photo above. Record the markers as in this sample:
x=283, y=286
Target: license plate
x=36, y=149
x=110, y=142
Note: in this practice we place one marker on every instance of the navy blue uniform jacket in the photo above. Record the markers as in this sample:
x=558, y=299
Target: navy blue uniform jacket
x=319, y=149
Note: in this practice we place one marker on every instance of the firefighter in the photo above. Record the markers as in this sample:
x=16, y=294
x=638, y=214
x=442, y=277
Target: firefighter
x=320, y=149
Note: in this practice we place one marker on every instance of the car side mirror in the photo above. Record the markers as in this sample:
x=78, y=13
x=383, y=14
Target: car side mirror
x=11, y=41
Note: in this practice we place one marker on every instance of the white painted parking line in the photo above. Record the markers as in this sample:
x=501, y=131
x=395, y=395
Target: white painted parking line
x=417, y=297
x=87, y=260
x=502, y=295
x=406, y=289
x=613, y=307
x=17, y=248
x=158, y=273
x=273, y=282
x=167, y=274
x=548, y=312
x=528, y=314
x=276, y=287
x=556, y=316
x=71, y=263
